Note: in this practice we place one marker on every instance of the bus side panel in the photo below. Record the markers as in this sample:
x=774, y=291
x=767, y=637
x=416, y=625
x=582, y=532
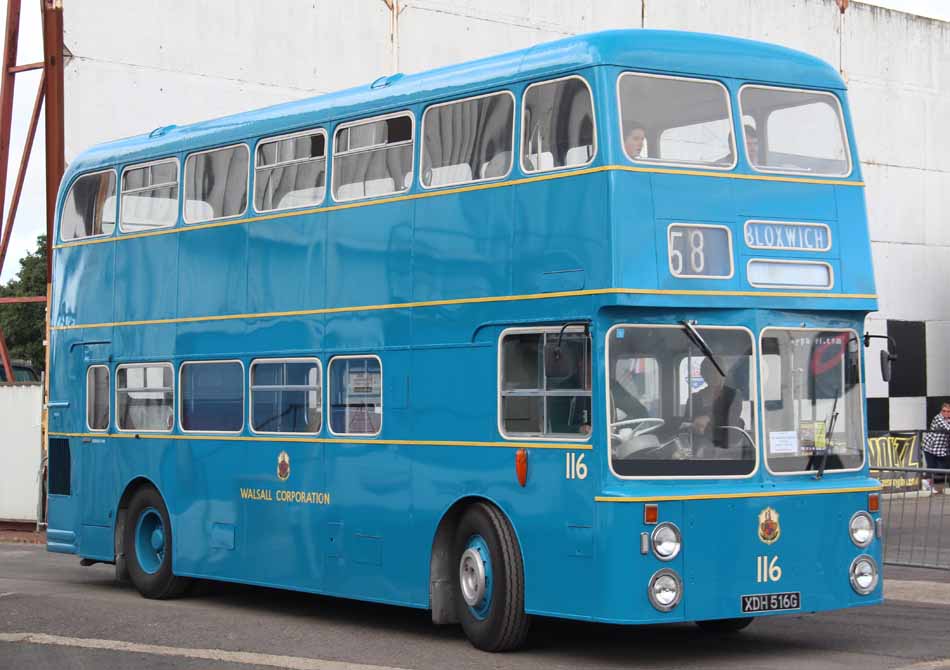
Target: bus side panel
x=85, y=275
x=286, y=264
x=563, y=225
x=631, y=207
x=147, y=288
x=857, y=269
x=212, y=277
x=462, y=245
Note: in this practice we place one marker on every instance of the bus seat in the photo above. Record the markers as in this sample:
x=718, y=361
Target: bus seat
x=379, y=186
x=451, y=174
x=145, y=212
x=305, y=196
x=198, y=210
x=578, y=155
x=350, y=191
x=496, y=167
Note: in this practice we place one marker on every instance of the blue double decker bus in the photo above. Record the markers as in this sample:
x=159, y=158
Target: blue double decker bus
x=574, y=331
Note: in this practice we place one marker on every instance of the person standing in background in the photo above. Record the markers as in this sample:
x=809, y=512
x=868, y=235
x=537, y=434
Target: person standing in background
x=936, y=447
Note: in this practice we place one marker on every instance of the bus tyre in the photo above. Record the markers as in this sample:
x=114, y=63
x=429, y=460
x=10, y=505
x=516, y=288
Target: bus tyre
x=147, y=544
x=724, y=626
x=491, y=580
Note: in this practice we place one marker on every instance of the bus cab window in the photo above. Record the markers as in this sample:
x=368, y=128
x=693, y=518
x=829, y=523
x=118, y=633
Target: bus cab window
x=673, y=412
x=686, y=121
x=557, y=125
x=216, y=184
x=468, y=140
x=537, y=402
x=89, y=208
x=149, y=196
x=372, y=158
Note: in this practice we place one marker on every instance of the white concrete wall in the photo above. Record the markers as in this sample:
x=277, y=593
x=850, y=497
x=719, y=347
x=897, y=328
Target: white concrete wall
x=21, y=410
x=140, y=65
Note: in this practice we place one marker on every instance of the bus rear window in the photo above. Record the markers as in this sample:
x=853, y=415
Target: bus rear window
x=794, y=131
x=676, y=120
x=89, y=209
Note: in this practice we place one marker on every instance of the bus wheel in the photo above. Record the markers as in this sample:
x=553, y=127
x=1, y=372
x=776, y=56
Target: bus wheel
x=724, y=626
x=491, y=580
x=147, y=543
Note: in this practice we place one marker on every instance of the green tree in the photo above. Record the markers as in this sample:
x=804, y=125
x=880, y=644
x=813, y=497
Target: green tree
x=24, y=324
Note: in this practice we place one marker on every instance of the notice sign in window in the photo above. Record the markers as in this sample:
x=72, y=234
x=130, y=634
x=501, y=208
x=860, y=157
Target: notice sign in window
x=699, y=251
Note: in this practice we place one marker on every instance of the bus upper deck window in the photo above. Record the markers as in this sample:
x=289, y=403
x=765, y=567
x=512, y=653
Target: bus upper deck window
x=216, y=184
x=373, y=158
x=468, y=140
x=676, y=120
x=89, y=209
x=290, y=171
x=795, y=131
x=558, y=128
x=149, y=196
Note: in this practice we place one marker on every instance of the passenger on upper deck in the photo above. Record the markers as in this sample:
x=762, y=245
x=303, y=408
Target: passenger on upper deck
x=634, y=139
x=751, y=143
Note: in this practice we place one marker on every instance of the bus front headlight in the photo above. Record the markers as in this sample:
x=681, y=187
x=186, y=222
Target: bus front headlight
x=666, y=541
x=861, y=529
x=665, y=590
x=863, y=574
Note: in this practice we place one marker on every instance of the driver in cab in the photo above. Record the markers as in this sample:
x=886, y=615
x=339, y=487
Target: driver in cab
x=714, y=407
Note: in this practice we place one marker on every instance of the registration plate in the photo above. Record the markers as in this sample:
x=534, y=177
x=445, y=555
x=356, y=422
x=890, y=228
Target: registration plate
x=771, y=602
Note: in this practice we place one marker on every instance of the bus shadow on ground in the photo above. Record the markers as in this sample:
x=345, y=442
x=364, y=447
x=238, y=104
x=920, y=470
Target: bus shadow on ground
x=651, y=646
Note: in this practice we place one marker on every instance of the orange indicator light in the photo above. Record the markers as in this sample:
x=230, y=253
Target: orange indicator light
x=521, y=466
x=874, y=502
x=651, y=513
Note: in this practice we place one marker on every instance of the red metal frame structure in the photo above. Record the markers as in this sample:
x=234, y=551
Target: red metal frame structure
x=50, y=92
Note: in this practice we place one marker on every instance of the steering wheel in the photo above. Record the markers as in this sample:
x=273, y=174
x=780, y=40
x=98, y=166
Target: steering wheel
x=652, y=423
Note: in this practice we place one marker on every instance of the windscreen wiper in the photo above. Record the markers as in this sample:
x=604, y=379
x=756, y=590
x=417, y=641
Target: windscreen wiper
x=831, y=428
x=701, y=343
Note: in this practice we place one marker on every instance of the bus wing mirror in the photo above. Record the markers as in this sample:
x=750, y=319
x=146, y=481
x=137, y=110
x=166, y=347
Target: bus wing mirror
x=556, y=361
x=887, y=358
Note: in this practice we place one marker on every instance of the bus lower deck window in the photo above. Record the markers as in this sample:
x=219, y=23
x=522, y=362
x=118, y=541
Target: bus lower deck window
x=145, y=397
x=356, y=395
x=286, y=396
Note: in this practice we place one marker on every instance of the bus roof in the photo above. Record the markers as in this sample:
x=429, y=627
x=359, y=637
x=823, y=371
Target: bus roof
x=661, y=51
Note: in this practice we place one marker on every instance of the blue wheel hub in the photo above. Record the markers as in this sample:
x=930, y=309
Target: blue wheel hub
x=150, y=540
x=475, y=576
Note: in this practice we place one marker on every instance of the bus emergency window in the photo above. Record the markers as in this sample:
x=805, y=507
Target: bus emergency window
x=97, y=397
x=286, y=396
x=216, y=184
x=89, y=209
x=671, y=411
x=676, y=120
x=356, y=395
x=794, y=131
x=468, y=141
x=557, y=125
x=372, y=158
x=535, y=403
x=814, y=417
x=290, y=172
x=145, y=397
x=212, y=396
x=149, y=196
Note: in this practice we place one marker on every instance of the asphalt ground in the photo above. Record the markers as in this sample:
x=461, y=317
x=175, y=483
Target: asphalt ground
x=56, y=614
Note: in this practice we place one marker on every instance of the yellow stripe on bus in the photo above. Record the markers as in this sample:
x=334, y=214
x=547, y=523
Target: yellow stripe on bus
x=132, y=435
x=467, y=301
x=725, y=496
x=451, y=191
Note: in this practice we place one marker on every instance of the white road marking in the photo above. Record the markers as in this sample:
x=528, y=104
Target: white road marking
x=238, y=657
x=939, y=664
x=935, y=593
x=8, y=593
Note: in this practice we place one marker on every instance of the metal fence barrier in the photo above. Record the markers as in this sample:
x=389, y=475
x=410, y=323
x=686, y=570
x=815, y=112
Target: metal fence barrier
x=916, y=516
